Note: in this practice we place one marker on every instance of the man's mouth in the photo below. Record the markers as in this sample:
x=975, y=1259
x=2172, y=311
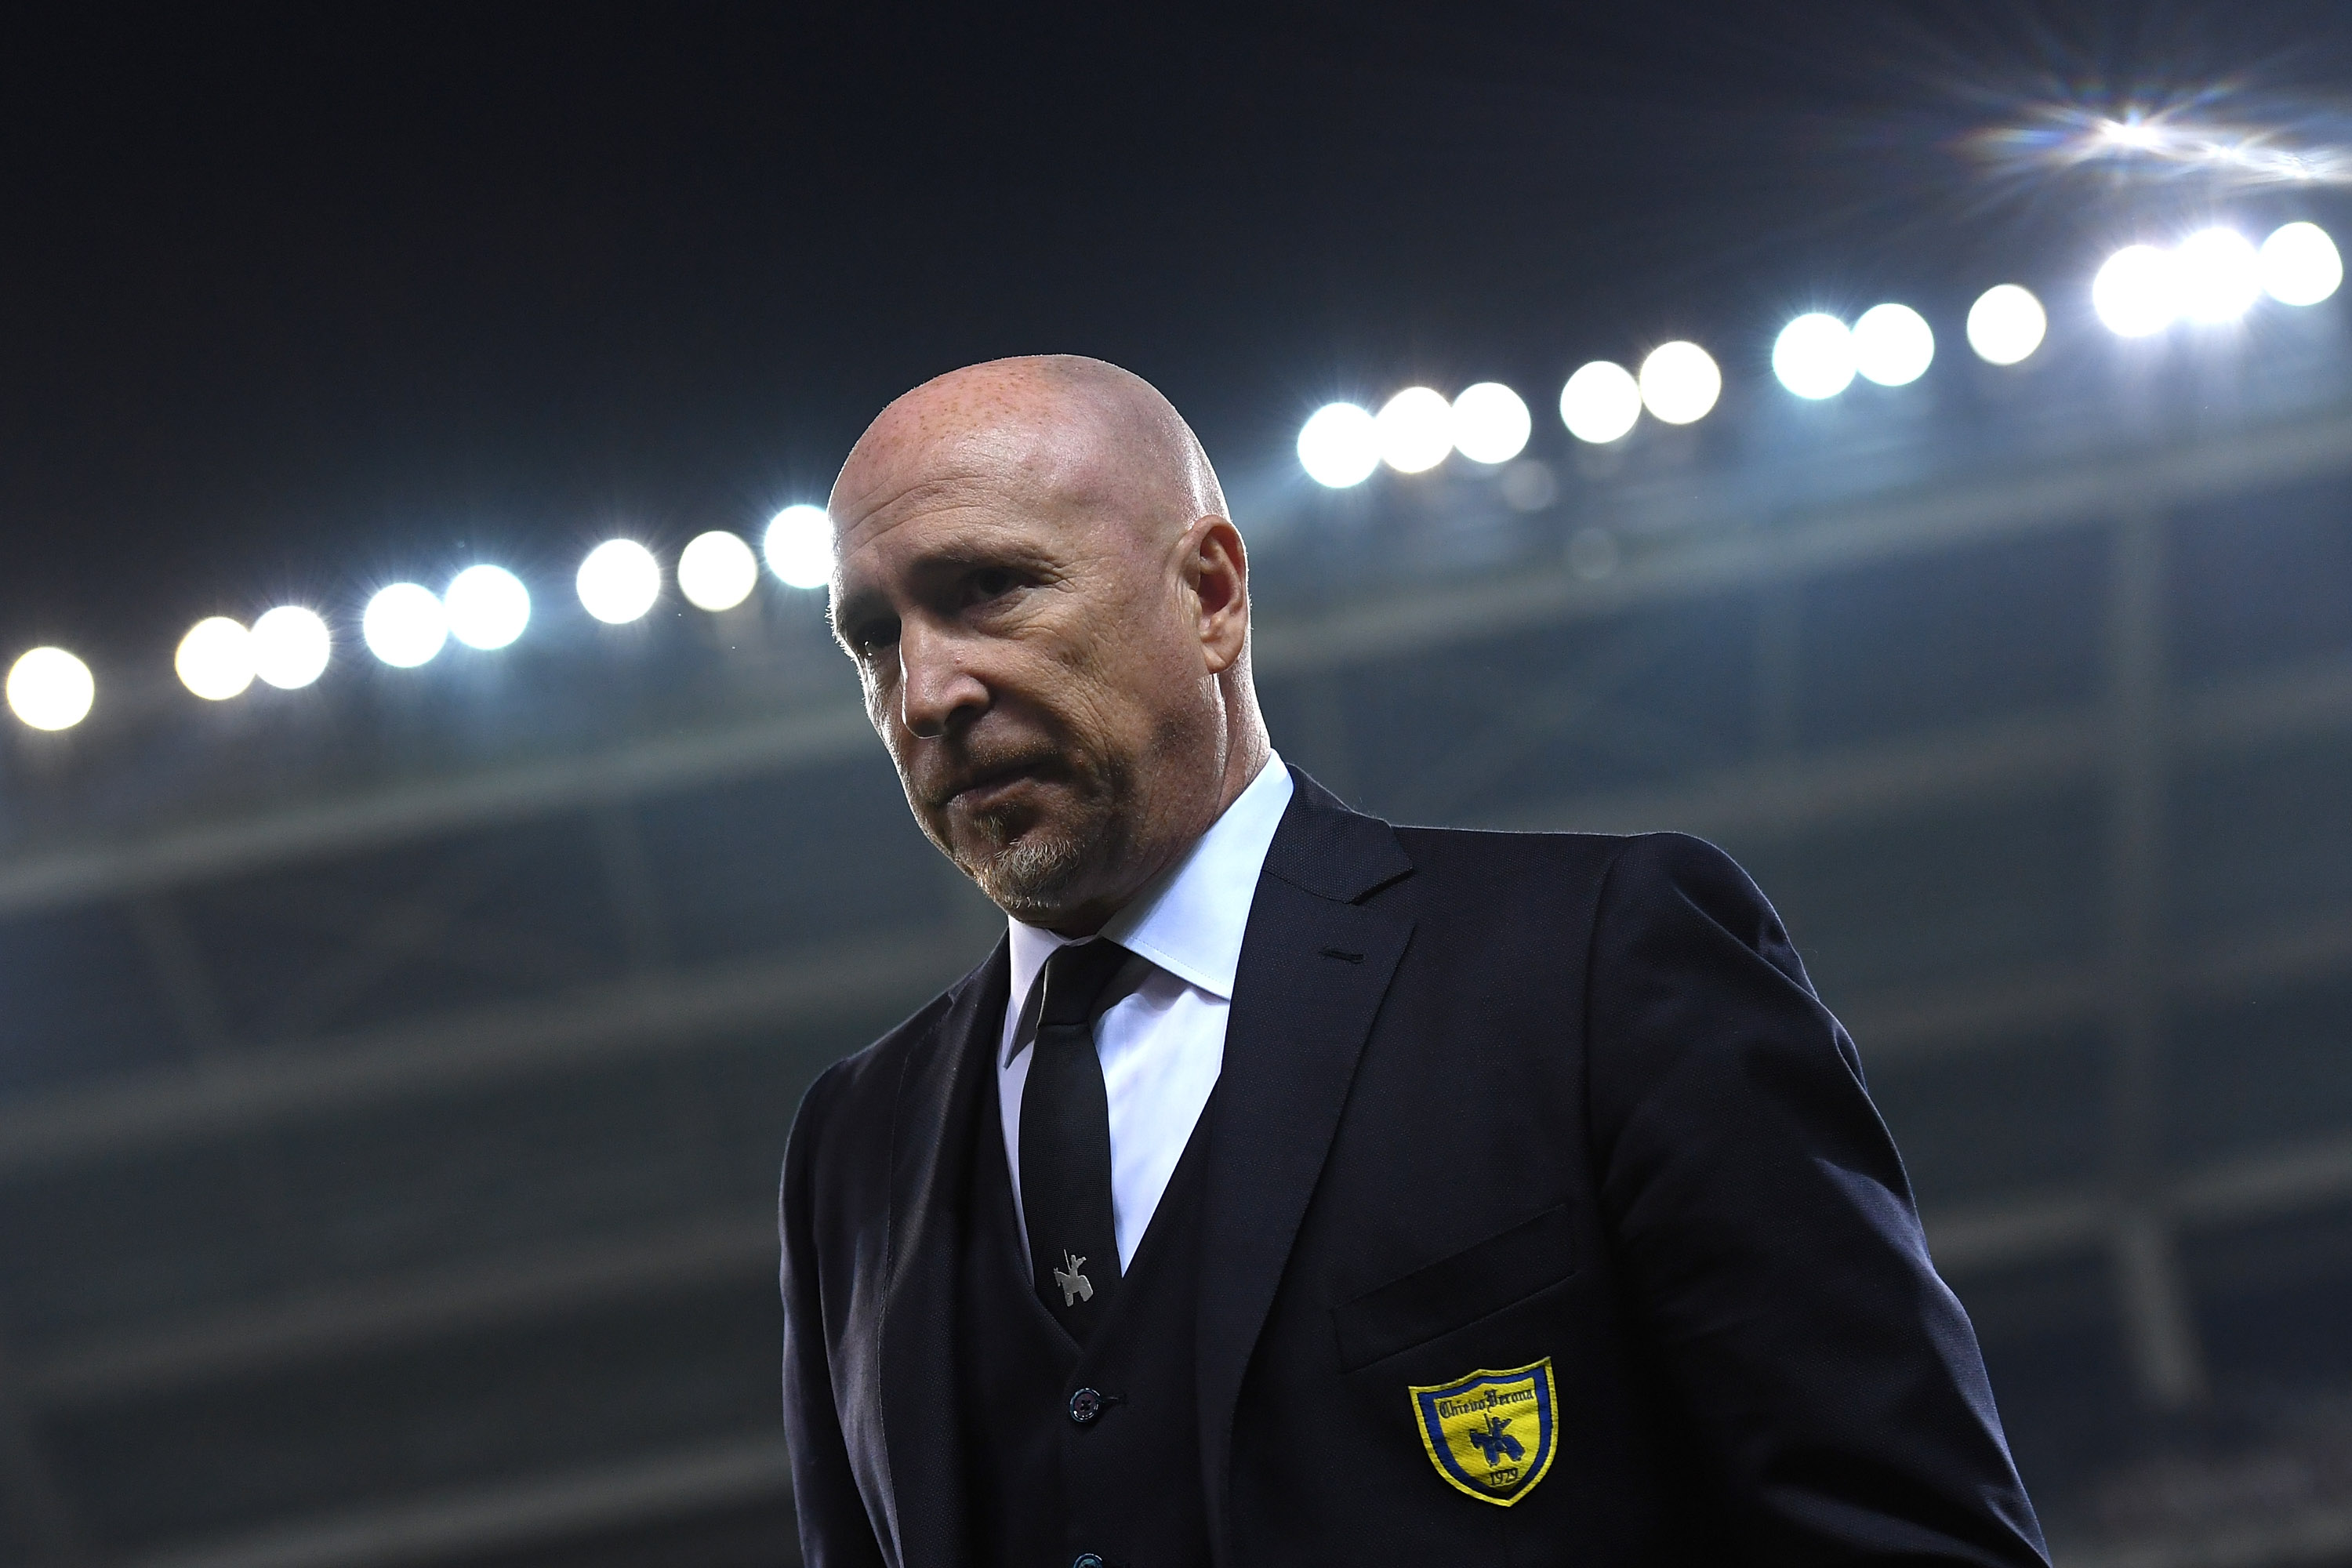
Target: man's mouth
x=989, y=786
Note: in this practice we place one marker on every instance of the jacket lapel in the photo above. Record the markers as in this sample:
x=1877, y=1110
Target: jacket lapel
x=1315, y=965
x=936, y=1117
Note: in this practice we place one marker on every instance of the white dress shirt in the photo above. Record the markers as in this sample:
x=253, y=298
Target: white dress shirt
x=1162, y=1044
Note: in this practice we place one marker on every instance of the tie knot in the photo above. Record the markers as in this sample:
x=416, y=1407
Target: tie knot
x=1074, y=981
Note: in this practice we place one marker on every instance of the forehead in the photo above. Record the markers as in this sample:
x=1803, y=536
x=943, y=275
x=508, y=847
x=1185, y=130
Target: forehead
x=949, y=509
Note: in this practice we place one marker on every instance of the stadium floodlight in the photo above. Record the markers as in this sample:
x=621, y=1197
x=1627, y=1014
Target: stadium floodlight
x=2218, y=274
x=1813, y=356
x=291, y=646
x=716, y=570
x=1416, y=430
x=2137, y=292
x=1601, y=402
x=49, y=688
x=404, y=624
x=2300, y=265
x=2006, y=324
x=799, y=546
x=1339, y=446
x=488, y=606
x=619, y=581
x=1893, y=345
x=1680, y=382
x=1491, y=423
x=215, y=659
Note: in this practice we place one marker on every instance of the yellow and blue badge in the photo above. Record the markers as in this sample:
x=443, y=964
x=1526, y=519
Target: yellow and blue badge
x=1491, y=1434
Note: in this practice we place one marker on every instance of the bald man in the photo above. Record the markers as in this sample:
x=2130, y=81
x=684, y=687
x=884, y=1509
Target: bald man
x=1288, y=1187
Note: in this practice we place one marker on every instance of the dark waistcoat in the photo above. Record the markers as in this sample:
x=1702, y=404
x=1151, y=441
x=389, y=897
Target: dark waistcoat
x=1069, y=1452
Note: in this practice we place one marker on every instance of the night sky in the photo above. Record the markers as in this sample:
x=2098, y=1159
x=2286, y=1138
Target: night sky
x=290, y=304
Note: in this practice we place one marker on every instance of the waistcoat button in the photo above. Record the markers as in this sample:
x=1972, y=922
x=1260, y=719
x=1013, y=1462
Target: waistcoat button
x=1085, y=1560
x=1085, y=1405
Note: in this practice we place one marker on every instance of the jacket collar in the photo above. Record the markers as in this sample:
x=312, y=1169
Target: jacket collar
x=1315, y=966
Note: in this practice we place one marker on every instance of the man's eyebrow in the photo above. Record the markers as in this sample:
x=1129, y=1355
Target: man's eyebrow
x=961, y=556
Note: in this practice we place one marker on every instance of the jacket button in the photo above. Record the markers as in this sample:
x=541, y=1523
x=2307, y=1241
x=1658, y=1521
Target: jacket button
x=1085, y=1405
x=1085, y=1560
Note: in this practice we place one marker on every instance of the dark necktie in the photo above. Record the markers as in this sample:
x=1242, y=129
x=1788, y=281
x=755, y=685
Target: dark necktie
x=1065, y=1143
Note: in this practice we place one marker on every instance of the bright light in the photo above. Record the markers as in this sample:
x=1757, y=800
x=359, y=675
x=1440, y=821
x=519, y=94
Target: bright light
x=1339, y=446
x=1814, y=356
x=1893, y=345
x=215, y=659
x=2137, y=292
x=2219, y=275
x=2300, y=266
x=404, y=626
x=291, y=646
x=1680, y=383
x=1601, y=402
x=1491, y=425
x=49, y=688
x=2006, y=324
x=1416, y=430
x=489, y=606
x=716, y=570
x=619, y=581
x=799, y=546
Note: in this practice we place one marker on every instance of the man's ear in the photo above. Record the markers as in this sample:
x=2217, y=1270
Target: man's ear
x=1219, y=568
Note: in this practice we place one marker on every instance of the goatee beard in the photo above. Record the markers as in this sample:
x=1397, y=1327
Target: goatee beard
x=1027, y=879
x=1031, y=877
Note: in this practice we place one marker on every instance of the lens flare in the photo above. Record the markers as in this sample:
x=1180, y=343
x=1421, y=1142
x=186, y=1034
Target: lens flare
x=49, y=688
x=488, y=606
x=2219, y=275
x=716, y=570
x=404, y=626
x=619, y=581
x=1601, y=402
x=215, y=659
x=2300, y=265
x=1416, y=430
x=1491, y=423
x=1893, y=345
x=1680, y=383
x=1814, y=356
x=2006, y=324
x=1339, y=446
x=799, y=546
x=291, y=647
x=2137, y=292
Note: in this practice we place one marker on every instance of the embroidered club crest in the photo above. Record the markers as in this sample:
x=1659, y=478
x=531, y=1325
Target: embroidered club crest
x=1491, y=1434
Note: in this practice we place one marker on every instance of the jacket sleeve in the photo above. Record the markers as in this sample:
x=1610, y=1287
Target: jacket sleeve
x=834, y=1529
x=1769, y=1240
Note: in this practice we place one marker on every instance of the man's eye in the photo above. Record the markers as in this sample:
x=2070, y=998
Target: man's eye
x=873, y=638
x=989, y=583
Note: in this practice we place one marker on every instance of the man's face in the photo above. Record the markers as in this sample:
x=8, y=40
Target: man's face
x=1033, y=662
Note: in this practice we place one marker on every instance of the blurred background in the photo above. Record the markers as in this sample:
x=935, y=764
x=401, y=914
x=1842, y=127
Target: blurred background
x=407, y=974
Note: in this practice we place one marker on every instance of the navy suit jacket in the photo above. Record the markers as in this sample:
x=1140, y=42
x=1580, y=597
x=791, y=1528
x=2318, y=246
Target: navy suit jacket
x=1488, y=1100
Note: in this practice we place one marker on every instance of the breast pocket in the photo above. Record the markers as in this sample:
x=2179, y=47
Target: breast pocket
x=1456, y=1291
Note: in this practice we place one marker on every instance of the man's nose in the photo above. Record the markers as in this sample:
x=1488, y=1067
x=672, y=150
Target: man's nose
x=936, y=689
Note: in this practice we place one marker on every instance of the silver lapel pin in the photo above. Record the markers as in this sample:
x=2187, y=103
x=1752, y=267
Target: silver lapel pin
x=1075, y=1286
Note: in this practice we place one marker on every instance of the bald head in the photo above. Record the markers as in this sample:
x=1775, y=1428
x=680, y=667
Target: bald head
x=1049, y=610
x=1064, y=429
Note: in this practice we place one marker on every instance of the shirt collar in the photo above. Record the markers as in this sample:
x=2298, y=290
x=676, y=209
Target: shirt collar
x=1190, y=919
